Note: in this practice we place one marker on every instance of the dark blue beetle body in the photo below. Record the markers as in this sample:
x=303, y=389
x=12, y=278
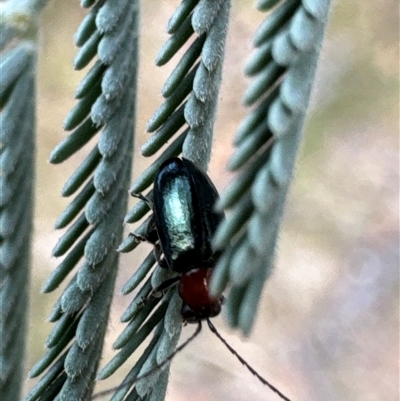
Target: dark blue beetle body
x=184, y=199
x=183, y=226
x=185, y=219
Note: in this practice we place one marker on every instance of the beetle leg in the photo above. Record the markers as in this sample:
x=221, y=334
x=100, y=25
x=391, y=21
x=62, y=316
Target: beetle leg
x=151, y=232
x=158, y=291
x=163, y=286
x=148, y=202
x=162, y=262
x=152, y=237
x=139, y=238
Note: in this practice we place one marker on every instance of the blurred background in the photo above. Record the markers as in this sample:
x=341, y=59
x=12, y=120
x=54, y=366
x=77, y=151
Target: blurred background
x=327, y=327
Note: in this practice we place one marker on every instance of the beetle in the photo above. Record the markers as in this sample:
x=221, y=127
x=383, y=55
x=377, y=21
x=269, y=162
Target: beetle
x=181, y=230
x=185, y=221
x=183, y=224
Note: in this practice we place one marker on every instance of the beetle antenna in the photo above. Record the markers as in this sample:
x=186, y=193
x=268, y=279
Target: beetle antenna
x=154, y=368
x=259, y=377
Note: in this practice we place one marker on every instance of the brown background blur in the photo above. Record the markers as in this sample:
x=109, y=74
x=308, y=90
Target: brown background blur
x=327, y=327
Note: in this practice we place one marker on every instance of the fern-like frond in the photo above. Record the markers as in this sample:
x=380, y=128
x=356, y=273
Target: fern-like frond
x=18, y=46
x=186, y=117
x=283, y=66
x=94, y=218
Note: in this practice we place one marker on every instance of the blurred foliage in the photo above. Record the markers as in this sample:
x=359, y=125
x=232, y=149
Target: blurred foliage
x=342, y=212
